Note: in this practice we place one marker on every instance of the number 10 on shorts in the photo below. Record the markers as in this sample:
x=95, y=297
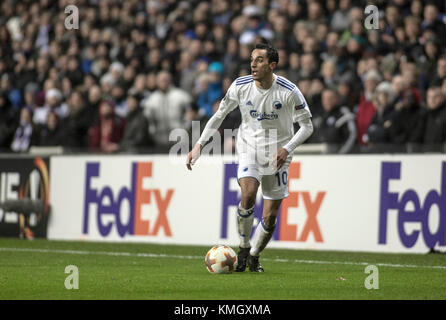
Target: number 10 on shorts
x=282, y=178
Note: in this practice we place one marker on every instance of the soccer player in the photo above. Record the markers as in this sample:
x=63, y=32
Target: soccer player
x=269, y=105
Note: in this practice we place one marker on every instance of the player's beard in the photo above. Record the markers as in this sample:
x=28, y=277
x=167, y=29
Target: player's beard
x=261, y=75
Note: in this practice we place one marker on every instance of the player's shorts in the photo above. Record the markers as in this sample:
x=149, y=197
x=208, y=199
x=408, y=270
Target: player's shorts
x=274, y=186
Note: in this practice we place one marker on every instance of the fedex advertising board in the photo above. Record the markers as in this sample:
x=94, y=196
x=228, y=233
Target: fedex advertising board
x=360, y=203
x=357, y=203
x=132, y=199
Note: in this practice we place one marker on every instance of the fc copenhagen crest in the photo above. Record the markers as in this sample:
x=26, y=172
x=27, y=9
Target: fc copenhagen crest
x=277, y=105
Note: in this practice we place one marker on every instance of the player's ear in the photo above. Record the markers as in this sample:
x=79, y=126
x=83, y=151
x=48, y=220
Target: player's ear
x=273, y=65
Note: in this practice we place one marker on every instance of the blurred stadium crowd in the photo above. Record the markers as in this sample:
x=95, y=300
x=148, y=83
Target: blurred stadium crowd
x=137, y=69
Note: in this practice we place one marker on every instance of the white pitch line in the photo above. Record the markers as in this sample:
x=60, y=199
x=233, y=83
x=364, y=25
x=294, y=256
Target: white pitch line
x=189, y=257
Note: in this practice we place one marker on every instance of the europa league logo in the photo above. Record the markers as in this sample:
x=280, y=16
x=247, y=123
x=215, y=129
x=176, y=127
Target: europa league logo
x=36, y=189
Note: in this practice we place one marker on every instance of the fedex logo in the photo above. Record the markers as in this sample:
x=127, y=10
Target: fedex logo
x=411, y=208
x=109, y=205
x=285, y=231
x=311, y=205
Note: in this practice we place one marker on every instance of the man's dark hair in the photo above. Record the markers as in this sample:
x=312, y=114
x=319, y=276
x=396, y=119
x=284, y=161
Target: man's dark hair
x=331, y=89
x=271, y=53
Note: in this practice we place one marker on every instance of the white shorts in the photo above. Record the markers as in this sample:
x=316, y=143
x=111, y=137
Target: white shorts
x=274, y=186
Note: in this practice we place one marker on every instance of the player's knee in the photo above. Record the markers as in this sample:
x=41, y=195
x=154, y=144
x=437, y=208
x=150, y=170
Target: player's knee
x=248, y=201
x=249, y=194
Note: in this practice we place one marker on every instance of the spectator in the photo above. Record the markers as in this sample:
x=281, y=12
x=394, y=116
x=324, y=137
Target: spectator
x=409, y=38
x=440, y=73
x=416, y=8
x=13, y=93
x=128, y=78
x=165, y=109
x=331, y=47
x=119, y=99
x=393, y=19
x=31, y=95
x=283, y=64
x=315, y=15
x=434, y=135
x=348, y=97
x=407, y=124
x=255, y=26
x=66, y=87
x=74, y=72
x=310, y=45
x=95, y=97
x=300, y=32
x=309, y=66
x=231, y=57
x=139, y=87
x=214, y=90
x=411, y=77
x=432, y=20
x=136, y=133
x=312, y=89
x=187, y=72
x=427, y=61
x=280, y=27
x=337, y=124
x=8, y=121
x=403, y=7
x=54, y=103
x=107, y=133
x=78, y=122
x=293, y=69
x=51, y=134
x=377, y=136
x=26, y=134
x=329, y=73
x=366, y=109
x=399, y=85
x=443, y=87
x=340, y=21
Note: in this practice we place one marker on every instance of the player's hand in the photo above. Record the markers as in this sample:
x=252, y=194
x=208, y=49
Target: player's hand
x=280, y=157
x=193, y=155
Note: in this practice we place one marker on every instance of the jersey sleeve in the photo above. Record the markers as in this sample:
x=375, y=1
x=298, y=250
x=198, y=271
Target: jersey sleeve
x=301, y=111
x=229, y=101
x=227, y=104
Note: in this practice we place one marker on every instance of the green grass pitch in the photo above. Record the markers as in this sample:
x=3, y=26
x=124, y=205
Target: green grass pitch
x=36, y=270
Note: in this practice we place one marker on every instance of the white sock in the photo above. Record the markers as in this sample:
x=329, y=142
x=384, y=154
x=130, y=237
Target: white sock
x=245, y=219
x=262, y=236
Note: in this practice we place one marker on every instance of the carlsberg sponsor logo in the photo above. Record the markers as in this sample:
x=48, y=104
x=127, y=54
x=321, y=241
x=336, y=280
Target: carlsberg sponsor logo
x=263, y=115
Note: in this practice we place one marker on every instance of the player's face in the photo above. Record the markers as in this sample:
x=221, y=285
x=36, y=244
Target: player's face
x=260, y=67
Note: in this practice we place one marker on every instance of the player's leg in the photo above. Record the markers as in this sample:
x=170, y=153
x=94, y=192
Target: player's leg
x=245, y=218
x=245, y=212
x=274, y=189
x=263, y=233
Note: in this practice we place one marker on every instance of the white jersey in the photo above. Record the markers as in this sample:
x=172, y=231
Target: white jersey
x=267, y=115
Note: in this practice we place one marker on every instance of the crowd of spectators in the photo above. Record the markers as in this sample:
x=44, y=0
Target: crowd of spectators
x=135, y=70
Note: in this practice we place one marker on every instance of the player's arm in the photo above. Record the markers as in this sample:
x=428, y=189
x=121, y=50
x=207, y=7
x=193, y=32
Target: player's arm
x=229, y=103
x=301, y=115
x=304, y=132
